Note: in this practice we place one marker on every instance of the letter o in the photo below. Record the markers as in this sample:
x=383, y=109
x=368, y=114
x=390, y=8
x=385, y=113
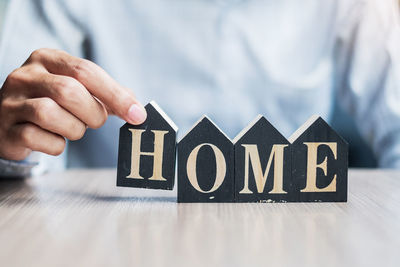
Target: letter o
x=220, y=170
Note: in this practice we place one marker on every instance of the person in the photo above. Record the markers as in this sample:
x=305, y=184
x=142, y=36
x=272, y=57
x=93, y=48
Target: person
x=67, y=66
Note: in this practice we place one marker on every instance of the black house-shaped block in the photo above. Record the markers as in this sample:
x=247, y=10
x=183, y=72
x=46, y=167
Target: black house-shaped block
x=319, y=163
x=146, y=155
x=205, y=165
x=262, y=164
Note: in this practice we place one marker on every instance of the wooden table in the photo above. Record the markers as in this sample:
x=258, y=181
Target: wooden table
x=80, y=218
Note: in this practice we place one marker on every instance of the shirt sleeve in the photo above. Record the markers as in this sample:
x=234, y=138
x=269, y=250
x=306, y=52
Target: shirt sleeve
x=367, y=54
x=30, y=25
x=15, y=169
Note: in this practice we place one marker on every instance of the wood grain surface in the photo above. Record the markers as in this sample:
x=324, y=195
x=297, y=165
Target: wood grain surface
x=80, y=218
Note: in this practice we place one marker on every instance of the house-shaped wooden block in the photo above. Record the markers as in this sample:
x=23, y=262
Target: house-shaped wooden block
x=319, y=163
x=205, y=165
x=262, y=164
x=146, y=156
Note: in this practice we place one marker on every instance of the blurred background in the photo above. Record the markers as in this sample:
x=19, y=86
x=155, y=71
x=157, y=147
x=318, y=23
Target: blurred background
x=360, y=154
x=3, y=4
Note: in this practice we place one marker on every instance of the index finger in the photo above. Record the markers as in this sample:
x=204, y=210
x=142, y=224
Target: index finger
x=119, y=100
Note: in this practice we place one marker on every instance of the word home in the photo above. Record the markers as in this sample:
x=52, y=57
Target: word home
x=258, y=165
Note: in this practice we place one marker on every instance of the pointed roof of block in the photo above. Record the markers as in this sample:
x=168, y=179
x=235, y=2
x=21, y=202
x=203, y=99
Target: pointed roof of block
x=204, y=119
x=260, y=120
x=163, y=114
x=313, y=121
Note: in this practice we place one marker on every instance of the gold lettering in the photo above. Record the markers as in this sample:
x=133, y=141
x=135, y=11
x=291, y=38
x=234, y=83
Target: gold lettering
x=312, y=165
x=251, y=154
x=220, y=170
x=157, y=154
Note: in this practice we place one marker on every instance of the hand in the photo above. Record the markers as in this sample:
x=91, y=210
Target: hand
x=54, y=96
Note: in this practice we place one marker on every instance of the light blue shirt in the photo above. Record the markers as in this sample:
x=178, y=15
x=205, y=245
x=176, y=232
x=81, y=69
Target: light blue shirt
x=229, y=59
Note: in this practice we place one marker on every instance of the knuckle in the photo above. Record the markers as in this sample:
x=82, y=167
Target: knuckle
x=15, y=78
x=43, y=110
x=39, y=54
x=98, y=121
x=77, y=131
x=23, y=77
x=58, y=147
x=27, y=134
x=82, y=68
x=6, y=106
x=66, y=89
x=7, y=112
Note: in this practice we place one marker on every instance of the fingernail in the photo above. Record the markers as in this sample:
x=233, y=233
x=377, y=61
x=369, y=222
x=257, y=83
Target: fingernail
x=137, y=114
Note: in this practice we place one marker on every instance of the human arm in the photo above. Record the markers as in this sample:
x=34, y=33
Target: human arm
x=31, y=25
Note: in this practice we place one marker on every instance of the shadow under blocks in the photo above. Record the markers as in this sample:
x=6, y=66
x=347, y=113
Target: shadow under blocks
x=258, y=165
